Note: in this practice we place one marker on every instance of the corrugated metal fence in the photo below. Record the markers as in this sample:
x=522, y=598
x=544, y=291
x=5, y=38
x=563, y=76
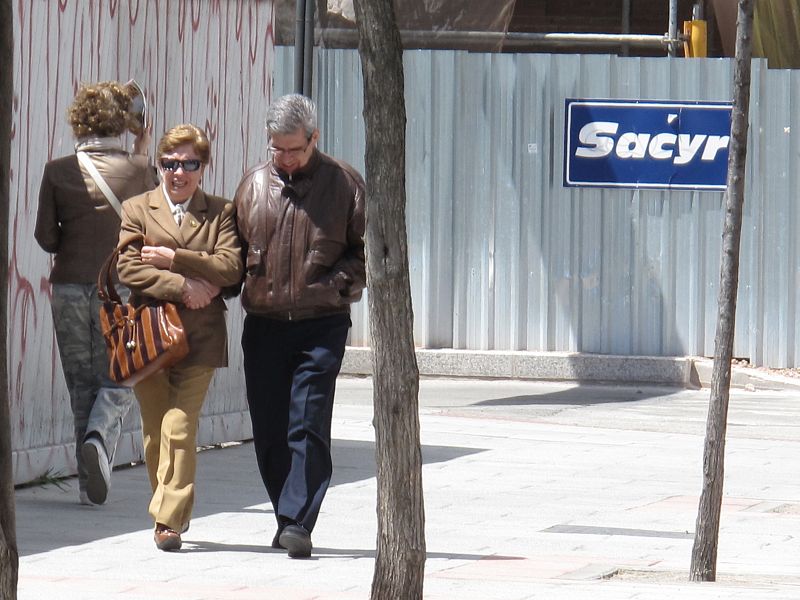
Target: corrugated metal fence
x=209, y=63
x=503, y=257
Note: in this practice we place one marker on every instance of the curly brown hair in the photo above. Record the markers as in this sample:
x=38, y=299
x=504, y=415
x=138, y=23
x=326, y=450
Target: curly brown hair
x=185, y=134
x=100, y=109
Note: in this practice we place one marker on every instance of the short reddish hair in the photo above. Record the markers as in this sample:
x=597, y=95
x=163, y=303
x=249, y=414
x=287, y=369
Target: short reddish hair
x=185, y=133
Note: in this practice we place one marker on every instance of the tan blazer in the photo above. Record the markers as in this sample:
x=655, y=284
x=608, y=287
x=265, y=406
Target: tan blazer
x=206, y=246
x=75, y=221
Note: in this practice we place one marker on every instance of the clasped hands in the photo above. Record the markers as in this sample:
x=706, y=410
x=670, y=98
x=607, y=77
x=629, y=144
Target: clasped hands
x=197, y=292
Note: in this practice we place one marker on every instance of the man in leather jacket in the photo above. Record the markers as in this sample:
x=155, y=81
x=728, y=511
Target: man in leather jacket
x=301, y=222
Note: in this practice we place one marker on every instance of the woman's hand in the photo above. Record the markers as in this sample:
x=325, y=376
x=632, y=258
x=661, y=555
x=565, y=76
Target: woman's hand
x=141, y=142
x=158, y=256
x=198, y=293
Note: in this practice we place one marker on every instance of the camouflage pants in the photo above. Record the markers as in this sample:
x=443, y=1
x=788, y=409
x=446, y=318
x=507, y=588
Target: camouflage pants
x=98, y=404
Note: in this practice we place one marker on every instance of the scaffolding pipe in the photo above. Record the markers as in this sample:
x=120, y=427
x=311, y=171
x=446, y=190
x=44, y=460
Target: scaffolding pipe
x=606, y=39
x=673, y=27
x=299, y=44
x=308, y=49
x=448, y=39
x=625, y=26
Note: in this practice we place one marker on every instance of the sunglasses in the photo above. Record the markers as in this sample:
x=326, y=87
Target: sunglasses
x=172, y=164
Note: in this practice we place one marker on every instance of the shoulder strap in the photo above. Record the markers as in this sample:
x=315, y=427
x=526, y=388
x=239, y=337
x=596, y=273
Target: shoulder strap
x=87, y=164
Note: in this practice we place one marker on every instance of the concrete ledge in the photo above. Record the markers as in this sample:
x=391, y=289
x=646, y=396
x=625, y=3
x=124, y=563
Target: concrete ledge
x=684, y=371
x=743, y=377
x=551, y=366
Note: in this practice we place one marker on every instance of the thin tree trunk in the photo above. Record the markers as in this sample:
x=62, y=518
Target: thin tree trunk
x=9, y=558
x=400, y=559
x=704, y=552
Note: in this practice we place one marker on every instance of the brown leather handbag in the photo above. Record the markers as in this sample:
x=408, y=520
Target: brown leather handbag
x=141, y=338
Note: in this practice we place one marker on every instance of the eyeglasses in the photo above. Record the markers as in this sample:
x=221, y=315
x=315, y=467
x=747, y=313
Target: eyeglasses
x=291, y=152
x=172, y=164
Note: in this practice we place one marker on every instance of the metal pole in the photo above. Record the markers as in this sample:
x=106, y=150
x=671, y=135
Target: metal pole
x=346, y=38
x=673, y=26
x=299, y=45
x=308, y=48
x=626, y=24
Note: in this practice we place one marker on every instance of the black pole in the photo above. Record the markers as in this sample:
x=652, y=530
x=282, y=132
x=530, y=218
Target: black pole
x=625, y=25
x=299, y=44
x=308, y=48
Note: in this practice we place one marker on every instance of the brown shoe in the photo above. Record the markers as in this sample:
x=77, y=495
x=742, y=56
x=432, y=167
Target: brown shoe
x=167, y=539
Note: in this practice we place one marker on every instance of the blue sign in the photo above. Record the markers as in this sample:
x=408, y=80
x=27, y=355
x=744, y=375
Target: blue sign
x=644, y=144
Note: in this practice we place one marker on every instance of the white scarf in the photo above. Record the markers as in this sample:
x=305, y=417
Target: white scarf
x=94, y=144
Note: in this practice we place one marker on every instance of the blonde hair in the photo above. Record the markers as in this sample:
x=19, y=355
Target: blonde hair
x=185, y=133
x=100, y=109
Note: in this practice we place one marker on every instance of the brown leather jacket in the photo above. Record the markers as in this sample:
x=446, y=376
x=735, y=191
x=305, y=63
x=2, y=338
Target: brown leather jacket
x=302, y=239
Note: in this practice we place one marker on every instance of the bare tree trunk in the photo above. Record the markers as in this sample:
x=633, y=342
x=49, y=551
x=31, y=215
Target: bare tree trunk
x=704, y=552
x=400, y=559
x=9, y=558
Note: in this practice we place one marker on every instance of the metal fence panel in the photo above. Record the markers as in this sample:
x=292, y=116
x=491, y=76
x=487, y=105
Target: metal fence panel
x=209, y=64
x=503, y=257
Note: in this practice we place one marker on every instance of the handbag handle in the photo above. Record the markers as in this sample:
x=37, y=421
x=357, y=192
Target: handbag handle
x=105, y=286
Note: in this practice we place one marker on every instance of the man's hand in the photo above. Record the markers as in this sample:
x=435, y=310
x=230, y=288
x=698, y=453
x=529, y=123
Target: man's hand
x=198, y=293
x=158, y=256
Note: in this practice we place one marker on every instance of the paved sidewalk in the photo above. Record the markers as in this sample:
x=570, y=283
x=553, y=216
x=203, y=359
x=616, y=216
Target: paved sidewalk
x=532, y=490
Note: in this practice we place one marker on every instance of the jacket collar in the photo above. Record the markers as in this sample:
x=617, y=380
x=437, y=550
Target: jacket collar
x=192, y=222
x=298, y=184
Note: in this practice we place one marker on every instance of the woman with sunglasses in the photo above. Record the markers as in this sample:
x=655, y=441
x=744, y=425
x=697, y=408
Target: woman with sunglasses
x=191, y=251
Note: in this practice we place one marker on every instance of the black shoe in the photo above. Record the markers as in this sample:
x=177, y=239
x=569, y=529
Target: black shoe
x=276, y=541
x=297, y=540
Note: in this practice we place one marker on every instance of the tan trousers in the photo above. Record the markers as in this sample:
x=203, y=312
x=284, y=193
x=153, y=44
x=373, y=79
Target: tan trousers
x=170, y=403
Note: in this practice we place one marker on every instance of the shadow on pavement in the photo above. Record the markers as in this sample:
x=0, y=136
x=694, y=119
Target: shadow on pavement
x=320, y=552
x=227, y=482
x=585, y=395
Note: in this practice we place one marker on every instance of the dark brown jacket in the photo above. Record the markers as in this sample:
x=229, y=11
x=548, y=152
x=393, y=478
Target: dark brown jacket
x=75, y=221
x=302, y=238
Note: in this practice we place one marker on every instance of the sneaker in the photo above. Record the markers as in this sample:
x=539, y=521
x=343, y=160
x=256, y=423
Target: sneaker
x=297, y=540
x=83, y=498
x=98, y=469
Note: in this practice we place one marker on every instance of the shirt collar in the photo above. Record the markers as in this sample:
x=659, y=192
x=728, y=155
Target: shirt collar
x=172, y=204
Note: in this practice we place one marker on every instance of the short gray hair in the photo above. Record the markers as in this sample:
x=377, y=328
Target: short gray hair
x=288, y=113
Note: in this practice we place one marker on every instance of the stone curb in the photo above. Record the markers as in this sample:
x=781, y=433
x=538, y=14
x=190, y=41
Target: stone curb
x=744, y=377
x=683, y=371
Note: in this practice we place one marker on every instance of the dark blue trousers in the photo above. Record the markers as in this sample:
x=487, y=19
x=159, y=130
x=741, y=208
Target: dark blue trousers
x=290, y=372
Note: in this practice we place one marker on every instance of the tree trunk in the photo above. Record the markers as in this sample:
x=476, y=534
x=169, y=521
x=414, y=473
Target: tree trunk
x=9, y=558
x=704, y=552
x=400, y=559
